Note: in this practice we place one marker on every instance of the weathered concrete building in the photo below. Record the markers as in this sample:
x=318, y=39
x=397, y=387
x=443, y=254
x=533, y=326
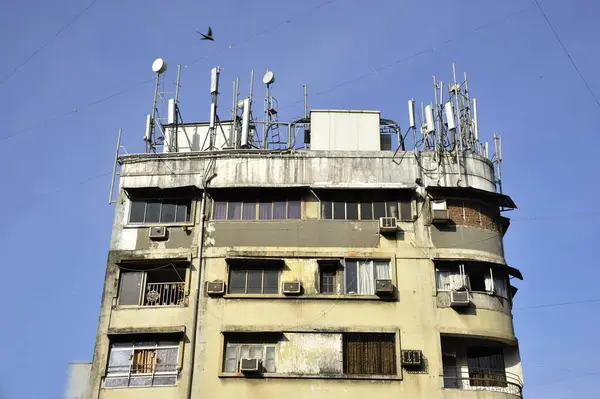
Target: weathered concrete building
x=343, y=271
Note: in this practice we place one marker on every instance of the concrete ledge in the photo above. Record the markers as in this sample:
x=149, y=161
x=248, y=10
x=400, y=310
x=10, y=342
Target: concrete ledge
x=267, y=376
x=146, y=330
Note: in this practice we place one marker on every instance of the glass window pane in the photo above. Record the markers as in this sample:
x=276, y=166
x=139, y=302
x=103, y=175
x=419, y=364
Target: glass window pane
x=392, y=209
x=220, y=210
x=351, y=277
x=405, y=210
x=183, y=212
x=254, y=282
x=129, y=288
x=249, y=212
x=136, y=213
x=366, y=211
x=166, y=360
x=271, y=282
x=116, y=382
x=162, y=380
x=234, y=211
x=339, y=210
x=294, y=209
x=352, y=210
x=326, y=210
x=152, y=212
x=167, y=214
x=237, y=281
x=256, y=352
x=379, y=209
x=279, y=209
x=230, y=366
x=118, y=362
x=269, y=363
x=265, y=210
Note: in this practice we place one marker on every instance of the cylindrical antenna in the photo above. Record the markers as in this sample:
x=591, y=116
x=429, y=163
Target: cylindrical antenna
x=450, y=116
x=487, y=150
x=251, y=85
x=411, y=114
x=305, y=102
x=177, y=84
x=475, y=120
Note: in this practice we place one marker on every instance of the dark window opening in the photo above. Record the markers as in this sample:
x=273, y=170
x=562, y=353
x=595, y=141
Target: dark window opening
x=369, y=353
x=486, y=367
x=159, y=211
x=327, y=280
x=156, y=284
x=477, y=277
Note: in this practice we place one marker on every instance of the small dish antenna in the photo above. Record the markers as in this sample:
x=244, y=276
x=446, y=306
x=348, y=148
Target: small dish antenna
x=269, y=78
x=159, y=66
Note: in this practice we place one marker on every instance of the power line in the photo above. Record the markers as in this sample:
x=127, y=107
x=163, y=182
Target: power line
x=551, y=305
x=567, y=52
x=49, y=42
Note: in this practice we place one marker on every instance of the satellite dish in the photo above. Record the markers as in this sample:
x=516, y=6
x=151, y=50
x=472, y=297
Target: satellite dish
x=269, y=78
x=159, y=65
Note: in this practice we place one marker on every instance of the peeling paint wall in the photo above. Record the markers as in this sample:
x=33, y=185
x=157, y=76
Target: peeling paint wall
x=310, y=354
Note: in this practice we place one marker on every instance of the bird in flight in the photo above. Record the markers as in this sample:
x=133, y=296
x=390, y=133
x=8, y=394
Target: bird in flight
x=208, y=36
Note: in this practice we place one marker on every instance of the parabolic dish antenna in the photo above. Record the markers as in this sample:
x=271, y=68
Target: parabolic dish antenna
x=159, y=65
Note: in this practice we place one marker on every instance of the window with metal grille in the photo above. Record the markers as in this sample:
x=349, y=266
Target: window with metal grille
x=363, y=205
x=160, y=283
x=159, y=211
x=369, y=353
x=486, y=367
x=142, y=363
x=257, y=208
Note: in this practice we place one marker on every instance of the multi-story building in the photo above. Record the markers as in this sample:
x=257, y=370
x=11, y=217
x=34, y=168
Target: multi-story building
x=343, y=271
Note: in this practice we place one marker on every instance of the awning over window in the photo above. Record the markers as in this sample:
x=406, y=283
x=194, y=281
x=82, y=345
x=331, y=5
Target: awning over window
x=162, y=192
x=465, y=192
x=510, y=270
x=255, y=262
x=146, y=330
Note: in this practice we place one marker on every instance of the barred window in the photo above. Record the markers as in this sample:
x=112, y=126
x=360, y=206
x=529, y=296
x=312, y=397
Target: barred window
x=369, y=353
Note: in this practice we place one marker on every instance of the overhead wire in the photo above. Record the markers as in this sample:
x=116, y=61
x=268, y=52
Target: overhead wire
x=49, y=42
x=559, y=40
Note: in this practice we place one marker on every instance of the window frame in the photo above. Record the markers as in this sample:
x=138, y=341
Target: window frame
x=124, y=269
x=359, y=203
x=130, y=346
x=238, y=350
x=257, y=203
x=247, y=268
x=372, y=262
x=466, y=279
x=396, y=352
x=188, y=201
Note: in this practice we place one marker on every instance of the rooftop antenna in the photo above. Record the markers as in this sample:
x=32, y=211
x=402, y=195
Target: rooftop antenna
x=173, y=118
x=159, y=66
x=214, y=117
x=270, y=114
x=497, y=159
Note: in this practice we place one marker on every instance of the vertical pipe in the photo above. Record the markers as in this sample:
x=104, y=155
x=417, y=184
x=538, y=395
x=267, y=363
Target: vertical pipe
x=305, y=102
x=233, y=115
x=114, y=171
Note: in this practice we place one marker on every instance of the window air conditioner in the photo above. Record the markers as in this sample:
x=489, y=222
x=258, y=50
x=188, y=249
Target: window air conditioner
x=215, y=287
x=250, y=365
x=388, y=224
x=412, y=358
x=158, y=233
x=384, y=287
x=459, y=298
x=439, y=211
x=292, y=287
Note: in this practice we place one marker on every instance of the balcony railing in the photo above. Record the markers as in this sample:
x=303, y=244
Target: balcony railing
x=483, y=380
x=164, y=294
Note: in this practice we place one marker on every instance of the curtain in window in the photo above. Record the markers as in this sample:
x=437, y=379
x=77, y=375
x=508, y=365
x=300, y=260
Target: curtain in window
x=449, y=279
x=366, y=280
x=500, y=284
x=369, y=354
x=279, y=209
x=234, y=210
x=383, y=270
x=220, y=210
x=249, y=212
x=265, y=210
x=488, y=281
x=294, y=210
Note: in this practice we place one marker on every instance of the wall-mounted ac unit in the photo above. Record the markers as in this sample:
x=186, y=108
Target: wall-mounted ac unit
x=158, y=233
x=459, y=299
x=388, y=224
x=384, y=287
x=250, y=365
x=439, y=211
x=292, y=287
x=412, y=358
x=215, y=287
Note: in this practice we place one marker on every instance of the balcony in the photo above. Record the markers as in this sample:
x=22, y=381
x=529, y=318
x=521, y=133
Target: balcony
x=478, y=379
x=164, y=294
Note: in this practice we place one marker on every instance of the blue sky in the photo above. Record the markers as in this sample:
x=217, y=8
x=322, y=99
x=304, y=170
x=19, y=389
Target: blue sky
x=56, y=236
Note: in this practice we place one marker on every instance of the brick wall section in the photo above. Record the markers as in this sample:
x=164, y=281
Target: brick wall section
x=465, y=213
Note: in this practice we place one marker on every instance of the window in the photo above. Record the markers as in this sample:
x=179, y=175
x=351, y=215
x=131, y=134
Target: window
x=142, y=363
x=360, y=275
x=366, y=209
x=327, y=280
x=474, y=277
x=152, y=284
x=253, y=280
x=236, y=351
x=257, y=210
x=486, y=367
x=369, y=353
x=159, y=211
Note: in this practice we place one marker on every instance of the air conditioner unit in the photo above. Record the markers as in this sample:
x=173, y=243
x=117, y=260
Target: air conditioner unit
x=459, y=298
x=250, y=365
x=412, y=358
x=158, y=233
x=292, y=287
x=439, y=211
x=215, y=287
x=384, y=287
x=388, y=224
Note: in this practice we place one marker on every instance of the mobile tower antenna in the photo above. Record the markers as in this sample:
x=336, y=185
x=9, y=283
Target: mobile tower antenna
x=159, y=66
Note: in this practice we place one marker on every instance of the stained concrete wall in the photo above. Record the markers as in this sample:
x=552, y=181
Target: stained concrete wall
x=469, y=238
x=310, y=354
